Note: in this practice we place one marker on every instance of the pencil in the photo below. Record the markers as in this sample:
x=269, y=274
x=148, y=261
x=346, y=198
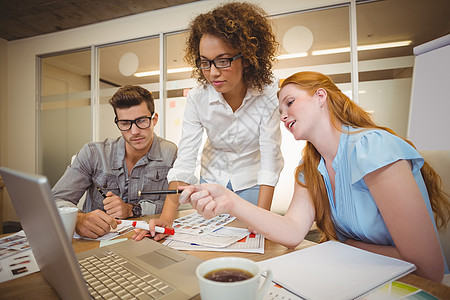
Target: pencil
x=160, y=192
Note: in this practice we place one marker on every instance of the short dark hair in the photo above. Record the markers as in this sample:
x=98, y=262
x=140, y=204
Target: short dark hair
x=132, y=95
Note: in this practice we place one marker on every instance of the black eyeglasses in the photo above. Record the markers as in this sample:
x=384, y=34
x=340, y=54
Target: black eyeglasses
x=141, y=123
x=219, y=63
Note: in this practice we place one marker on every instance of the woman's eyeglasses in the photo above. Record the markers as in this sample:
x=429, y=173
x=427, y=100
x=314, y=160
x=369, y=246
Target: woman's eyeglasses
x=219, y=63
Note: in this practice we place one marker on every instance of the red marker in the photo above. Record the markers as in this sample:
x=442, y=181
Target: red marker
x=158, y=229
x=145, y=226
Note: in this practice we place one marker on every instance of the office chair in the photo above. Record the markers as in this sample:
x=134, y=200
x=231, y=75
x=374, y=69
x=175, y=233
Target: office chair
x=440, y=161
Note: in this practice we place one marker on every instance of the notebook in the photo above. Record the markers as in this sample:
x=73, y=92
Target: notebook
x=160, y=271
x=333, y=270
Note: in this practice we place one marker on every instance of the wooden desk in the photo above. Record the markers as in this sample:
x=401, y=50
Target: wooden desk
x=34, y=286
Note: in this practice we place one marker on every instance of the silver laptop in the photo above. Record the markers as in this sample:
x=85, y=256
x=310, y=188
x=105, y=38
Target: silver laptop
x=125, y=270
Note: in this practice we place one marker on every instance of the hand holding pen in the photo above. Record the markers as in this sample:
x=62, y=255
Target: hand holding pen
x=161, y=192
x=144, y=225
x=113, y=205
x=101, y=192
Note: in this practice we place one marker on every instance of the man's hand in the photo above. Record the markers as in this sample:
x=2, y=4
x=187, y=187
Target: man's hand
x=116, y=208
x=141, y=233
x=94, y=224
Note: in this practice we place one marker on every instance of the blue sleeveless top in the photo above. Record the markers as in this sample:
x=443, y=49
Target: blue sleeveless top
x=355, y=213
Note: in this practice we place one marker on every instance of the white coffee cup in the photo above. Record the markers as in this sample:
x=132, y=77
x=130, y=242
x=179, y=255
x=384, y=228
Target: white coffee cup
x=69, y=219
x=248, y=289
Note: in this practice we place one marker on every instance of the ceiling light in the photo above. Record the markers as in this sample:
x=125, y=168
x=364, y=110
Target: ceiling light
x=292, y=55
x=179, y=70
x=145, y=74
x=384, y=45
x=169, y=71
x=363, y=48
x=331, y=51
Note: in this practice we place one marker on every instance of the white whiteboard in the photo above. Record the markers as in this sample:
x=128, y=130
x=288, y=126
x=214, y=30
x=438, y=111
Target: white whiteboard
x=429, y=119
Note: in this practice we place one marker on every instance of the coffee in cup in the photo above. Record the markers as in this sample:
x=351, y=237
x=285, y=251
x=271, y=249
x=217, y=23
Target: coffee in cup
x=228, y=275
x=233, y=278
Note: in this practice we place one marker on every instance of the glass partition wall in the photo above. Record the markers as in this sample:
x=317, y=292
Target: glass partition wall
x=65, y=110
x=118, y=63
x=75, y=87
x=301, y=35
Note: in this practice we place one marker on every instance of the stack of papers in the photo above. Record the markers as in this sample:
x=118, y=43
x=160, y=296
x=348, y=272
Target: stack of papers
x=334, y=270
x=16, y=257
x=195, y=233
x=250, y=243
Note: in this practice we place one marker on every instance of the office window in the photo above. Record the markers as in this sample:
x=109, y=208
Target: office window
x=65, y=113
x=387, y=33
x=178, y=83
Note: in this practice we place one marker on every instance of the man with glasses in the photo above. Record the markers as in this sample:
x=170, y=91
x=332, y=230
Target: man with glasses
x=115, y=172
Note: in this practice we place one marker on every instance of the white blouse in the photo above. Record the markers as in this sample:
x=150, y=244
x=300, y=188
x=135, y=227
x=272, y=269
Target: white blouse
x=242, y=146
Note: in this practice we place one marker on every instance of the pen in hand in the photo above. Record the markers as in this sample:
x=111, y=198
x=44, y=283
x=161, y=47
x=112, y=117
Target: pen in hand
x=160, y=192
x=145, y=226
x=101, y=192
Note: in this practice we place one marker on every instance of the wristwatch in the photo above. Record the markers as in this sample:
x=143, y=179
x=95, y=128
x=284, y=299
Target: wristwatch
x=137, y=210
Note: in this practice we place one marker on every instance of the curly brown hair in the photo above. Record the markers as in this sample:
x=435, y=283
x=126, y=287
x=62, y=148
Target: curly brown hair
x=242, y=26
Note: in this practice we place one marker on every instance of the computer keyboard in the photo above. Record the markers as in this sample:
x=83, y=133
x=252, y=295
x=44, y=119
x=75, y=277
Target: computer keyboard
x=113, y=277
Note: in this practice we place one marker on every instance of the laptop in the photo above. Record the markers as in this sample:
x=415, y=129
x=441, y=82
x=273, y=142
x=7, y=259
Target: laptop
x=159, y=271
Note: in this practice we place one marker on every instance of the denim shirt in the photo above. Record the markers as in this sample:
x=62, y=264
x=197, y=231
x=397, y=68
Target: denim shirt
x=101, y=165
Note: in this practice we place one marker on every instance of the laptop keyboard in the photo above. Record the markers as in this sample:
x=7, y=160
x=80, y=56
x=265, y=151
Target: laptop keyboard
x=113, y=277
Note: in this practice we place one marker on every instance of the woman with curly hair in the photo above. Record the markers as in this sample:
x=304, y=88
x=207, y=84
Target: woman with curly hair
x=362, y=184
x=231, y=49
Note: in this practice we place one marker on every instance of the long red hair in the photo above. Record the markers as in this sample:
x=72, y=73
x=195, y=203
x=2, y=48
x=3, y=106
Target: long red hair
x=344, y=111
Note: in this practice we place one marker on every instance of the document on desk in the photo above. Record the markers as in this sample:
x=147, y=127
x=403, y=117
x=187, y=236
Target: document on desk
x=18, y=265
x=16, y=257
x=251, y=243
x=13, y=244
x=195, y=224
x=221, y=237
x=333, y=270
x=118, y=231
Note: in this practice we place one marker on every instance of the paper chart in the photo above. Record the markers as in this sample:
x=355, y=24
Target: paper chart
x=16, y=257
x=18, y=265
x=195, y=224
x=219, y=238
x=251, y=243
x=13, y=244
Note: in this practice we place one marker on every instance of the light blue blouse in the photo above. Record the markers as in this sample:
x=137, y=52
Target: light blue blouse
x=355, y=213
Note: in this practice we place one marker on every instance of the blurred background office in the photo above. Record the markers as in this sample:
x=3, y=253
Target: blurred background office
x=60, y=62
